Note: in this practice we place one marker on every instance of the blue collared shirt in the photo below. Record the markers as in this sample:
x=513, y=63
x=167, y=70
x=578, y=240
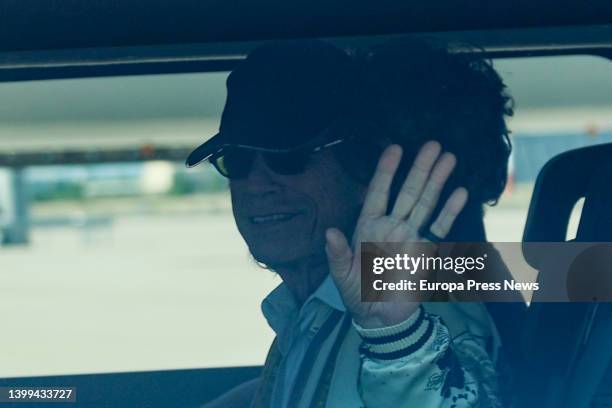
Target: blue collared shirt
x=295, y=328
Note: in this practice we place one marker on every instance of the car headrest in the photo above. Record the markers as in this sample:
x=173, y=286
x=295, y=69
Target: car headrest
x=566, y=178
x=596, y=220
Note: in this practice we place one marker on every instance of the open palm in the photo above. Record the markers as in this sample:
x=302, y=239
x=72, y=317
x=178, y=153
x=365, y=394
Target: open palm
x=415, y=202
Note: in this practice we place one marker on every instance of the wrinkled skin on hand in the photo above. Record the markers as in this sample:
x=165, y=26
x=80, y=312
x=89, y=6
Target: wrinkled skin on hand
x=415, y=202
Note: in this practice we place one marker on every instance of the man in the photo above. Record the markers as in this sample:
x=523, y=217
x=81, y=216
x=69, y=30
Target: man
x=308, y=140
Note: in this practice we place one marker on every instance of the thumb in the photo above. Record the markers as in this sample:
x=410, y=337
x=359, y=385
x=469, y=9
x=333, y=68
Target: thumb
x=339, y=255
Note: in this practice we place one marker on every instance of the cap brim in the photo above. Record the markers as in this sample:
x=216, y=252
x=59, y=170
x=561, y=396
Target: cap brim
x=220, y=141
x=217, y=143
x=205, y=150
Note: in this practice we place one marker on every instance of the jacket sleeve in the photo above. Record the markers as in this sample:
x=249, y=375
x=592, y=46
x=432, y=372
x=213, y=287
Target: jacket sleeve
x=415, y=363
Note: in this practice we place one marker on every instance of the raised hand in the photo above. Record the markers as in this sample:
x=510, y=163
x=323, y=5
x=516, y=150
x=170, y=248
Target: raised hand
x=415, y=202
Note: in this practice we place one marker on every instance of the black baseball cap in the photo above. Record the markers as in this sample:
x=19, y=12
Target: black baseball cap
x=282, y=96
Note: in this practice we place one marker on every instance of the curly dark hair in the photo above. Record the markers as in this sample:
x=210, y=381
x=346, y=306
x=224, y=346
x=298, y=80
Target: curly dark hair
x=418, y=90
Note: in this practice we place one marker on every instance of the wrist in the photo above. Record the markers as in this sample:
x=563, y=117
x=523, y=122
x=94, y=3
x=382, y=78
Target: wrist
x=399, y=341
x=387, y=319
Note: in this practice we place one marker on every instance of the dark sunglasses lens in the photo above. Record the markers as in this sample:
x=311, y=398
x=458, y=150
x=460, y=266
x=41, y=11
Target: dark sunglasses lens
x=234, y=164
x=287, y=163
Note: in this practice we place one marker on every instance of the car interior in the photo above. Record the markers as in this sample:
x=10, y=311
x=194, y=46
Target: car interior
x=560, y=353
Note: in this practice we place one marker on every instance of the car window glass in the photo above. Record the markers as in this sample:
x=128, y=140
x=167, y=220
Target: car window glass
x=139, y=266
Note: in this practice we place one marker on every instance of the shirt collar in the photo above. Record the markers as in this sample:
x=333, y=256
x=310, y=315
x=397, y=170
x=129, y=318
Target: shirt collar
x=280, y=307
x=329, y=294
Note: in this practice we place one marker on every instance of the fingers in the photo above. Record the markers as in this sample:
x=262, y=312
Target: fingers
x=416, y=179
x=339, y=255
x=417, y=198
x=429, y=198
x=377, y=197
x=453, y=206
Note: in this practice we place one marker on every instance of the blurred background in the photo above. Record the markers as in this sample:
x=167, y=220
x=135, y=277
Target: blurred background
x=136, y=264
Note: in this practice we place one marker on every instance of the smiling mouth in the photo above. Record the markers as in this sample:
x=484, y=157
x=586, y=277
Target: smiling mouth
x=272, y=218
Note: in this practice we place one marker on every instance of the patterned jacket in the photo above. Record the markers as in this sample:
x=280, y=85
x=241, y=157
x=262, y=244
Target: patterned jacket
x=442, y=356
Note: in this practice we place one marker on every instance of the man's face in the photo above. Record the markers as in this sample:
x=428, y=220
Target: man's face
x=283, y=218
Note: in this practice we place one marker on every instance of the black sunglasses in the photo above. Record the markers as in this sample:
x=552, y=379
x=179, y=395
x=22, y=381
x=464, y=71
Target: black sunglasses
x=236, y=162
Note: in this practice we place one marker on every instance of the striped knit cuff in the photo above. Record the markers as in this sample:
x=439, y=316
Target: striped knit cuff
x=401, y=340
